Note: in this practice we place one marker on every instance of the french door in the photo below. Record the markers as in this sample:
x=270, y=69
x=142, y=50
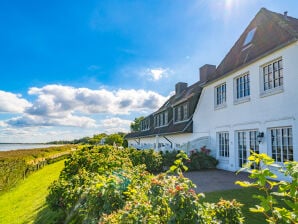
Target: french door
x=246, y=141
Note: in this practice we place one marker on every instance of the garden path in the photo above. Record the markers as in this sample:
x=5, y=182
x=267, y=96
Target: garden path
x=215, y=180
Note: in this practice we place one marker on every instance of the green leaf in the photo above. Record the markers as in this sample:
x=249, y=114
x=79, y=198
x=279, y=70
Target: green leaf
x=245, y=183
x=258, y=209
x=173, y=168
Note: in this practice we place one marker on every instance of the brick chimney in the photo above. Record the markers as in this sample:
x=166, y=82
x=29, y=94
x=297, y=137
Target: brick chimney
x=286, y=15
x=205, y=71
x=179, y=87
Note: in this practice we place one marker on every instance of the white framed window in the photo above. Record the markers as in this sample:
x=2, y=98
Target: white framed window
x=281, y=144
x=161, y=119
x=223, y=144
x=242, y=88
x=166, y=117
x=272, y=77
x=220, y=95
x=185, y=111
x=145, y=124
x=181, y=112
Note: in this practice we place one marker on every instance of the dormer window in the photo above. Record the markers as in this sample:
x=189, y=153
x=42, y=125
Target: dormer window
x=181, y=112
x=145, y=124
x=161, y=119
x=249, y=37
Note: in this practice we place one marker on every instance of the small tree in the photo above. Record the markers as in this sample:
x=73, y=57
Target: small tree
x=135, y=125
x=114, y=138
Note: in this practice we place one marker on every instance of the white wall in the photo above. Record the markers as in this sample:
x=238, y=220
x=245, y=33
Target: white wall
x=259, y=113
x=176, y=139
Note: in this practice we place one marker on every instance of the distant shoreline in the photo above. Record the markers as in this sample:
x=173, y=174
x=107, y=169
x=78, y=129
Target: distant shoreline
x=6, y=143
x=24, y=146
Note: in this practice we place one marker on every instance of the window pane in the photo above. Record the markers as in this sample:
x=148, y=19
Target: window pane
x=272, y=74
x=282, y=145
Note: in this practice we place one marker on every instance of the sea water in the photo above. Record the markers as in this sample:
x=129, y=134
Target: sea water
x=7, y=147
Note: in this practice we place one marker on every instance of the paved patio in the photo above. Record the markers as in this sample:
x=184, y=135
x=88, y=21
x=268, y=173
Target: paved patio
x=215, y=180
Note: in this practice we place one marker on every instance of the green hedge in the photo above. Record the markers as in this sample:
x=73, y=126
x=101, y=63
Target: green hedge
x=104, y=184
x=198, y=159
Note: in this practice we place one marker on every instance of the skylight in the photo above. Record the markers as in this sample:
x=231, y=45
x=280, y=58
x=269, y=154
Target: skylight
x=249, y=36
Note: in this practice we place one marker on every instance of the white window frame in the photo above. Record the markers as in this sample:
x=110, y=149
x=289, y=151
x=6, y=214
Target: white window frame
x=185, y=111
x=274, y=89
x=282, y=143
x=250, y=143
x=182, y=109
x=145, y=124
x=223, y=147
x=243, y=79
x=220, y=98
x=161, y=119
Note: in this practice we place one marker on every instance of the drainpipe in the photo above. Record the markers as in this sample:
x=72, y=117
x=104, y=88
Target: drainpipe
x=168, y=141
x=137, y=141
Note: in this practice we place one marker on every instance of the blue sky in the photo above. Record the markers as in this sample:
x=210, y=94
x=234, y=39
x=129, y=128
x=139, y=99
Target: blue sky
x=76, y=68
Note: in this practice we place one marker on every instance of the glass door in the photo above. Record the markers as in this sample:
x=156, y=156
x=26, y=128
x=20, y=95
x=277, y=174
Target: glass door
x=246, y=142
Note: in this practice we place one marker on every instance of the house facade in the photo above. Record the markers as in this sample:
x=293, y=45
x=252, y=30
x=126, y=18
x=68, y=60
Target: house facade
x=249, y=102
x=171, y=126
x=251, y=98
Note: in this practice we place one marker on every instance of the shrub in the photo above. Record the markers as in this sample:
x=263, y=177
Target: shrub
x=102, y=185
x=168, y=158
x=201, y=160
x=225, y=212
x=287, y=191
x=152, y=159
x=168, y=198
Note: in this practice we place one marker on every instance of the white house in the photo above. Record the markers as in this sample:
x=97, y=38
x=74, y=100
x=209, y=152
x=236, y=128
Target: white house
x=171, y=126
x=250, y=100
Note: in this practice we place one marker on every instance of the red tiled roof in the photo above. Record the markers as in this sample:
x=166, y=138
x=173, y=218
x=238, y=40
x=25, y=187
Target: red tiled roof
x=273, y=30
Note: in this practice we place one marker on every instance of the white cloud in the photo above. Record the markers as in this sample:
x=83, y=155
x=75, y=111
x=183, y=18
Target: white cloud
x=115, y=124
x=34, y=120
x=12, y=103
x=58, y=105
x=157, y=73
x=3, y=124
x=59, y=101
x=42, y=134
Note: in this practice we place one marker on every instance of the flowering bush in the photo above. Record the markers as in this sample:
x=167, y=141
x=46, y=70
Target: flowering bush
x=201, y=160
x=102, y=185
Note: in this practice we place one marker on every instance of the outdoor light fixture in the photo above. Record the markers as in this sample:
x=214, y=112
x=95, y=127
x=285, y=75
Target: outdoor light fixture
x=260, y=137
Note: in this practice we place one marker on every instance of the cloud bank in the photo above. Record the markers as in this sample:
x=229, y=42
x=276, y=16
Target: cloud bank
x=12, y=103
x=59, y=105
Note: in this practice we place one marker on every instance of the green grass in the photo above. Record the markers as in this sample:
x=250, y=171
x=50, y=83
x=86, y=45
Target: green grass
x=26, y=202
x=245, y=197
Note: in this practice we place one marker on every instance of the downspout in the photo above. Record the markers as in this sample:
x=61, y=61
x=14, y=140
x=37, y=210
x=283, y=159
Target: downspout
x=168, y=141
x=137, y=140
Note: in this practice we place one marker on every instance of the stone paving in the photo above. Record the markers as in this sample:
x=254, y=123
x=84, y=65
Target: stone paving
x=216, y=180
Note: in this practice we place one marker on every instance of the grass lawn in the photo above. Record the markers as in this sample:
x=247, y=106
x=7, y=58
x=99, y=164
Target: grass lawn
x=245, y=197
x=26, y=202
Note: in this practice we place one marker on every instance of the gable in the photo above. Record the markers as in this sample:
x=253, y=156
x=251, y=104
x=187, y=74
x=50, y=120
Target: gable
x=268, y=31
